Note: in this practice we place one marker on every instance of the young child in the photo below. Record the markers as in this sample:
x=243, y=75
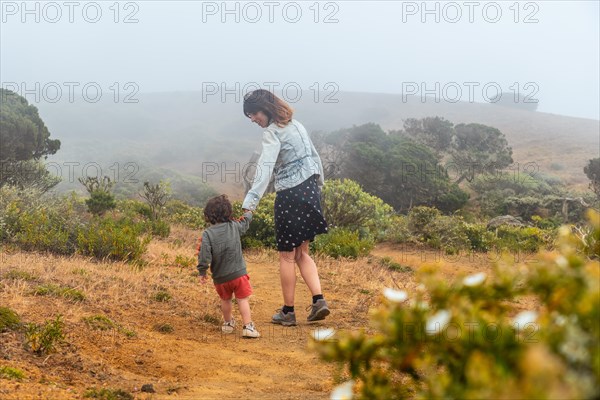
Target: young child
x=221, y=250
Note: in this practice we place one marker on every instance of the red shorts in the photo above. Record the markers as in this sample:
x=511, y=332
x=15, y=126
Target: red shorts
x=239, y=286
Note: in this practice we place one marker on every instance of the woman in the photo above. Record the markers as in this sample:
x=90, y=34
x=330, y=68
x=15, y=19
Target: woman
x=288, y=152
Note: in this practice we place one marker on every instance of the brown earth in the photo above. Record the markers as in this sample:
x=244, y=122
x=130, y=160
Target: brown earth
x=194, y=361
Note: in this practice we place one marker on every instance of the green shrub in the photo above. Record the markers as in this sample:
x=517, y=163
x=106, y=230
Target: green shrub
x=346, y=205
x=134, y=207
x=340, y=242
x=103, y=323
x=211, y=319
x=100, y=202
x=11, y=373
x=184, y=262
x=43, y=339
x=419, y=219
x=44, y=230
x=447, y=233
x=160, y=228
x=262, y=228
x=101, y=199
x=545, y=223
x=120, y=239
x=20, y=275
x=398, y=231
x=519, y=240
x=107, y=394
x=464, y=340
x=451, y=200
x=161, y=296
x=99, y=323
x=66, y=292
x=178, y=212
x=388, y=263
x=480, y=239
x=8, y=319
x=588, y=237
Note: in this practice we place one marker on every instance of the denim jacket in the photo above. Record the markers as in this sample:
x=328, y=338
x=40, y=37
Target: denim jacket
x=288, y=153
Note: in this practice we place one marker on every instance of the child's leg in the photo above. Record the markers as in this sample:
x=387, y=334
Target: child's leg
x=244, y=305
x=226, y=308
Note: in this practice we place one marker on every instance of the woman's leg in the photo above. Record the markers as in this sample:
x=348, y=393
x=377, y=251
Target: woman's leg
x=244, y=306
x=287, y=273
x=308, y=268
x=226, y=309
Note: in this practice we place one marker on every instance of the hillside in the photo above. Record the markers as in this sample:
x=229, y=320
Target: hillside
x=180, y=132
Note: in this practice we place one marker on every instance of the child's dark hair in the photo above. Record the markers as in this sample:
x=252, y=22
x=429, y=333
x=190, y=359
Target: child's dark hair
x=218, y=209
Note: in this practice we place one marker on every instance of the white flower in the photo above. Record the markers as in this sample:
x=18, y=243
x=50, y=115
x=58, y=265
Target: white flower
x=343, y=391
x=397, y=296
x=475, y=279
x=437, y=322
x=323, y=334
x=525, y=317
x=561, y=261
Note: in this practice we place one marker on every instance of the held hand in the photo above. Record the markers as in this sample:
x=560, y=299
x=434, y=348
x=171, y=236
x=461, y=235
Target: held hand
x=203, y=279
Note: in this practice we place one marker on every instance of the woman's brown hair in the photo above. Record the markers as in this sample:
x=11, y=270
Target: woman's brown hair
x=218, y=209
x=275, y=109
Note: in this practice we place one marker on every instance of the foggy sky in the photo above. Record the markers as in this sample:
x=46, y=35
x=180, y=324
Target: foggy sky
x=383, y=47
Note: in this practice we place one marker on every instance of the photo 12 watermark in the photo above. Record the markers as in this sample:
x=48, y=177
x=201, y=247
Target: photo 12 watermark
x=249, y=172
x=452, y=12
x=88, y=92
x=449, y=331
x=70, y=171
x=53, y=12
x=407, y=252
x=291, y=92
x=454, y=92
x=253, y=12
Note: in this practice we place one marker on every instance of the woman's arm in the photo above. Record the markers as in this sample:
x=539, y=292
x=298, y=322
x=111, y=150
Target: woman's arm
x=315, y=156
x=264, y=169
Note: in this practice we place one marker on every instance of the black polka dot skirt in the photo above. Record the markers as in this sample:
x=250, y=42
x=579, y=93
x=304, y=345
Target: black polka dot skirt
x=298, y=215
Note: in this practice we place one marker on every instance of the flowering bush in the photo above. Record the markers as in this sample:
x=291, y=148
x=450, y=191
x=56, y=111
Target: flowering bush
x=465, y=339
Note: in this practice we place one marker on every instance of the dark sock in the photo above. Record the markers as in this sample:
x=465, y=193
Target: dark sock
x=317, y=297
x=287, y=309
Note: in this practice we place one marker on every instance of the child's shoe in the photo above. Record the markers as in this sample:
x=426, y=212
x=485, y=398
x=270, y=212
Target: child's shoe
x=228, y=326
x=250, y=331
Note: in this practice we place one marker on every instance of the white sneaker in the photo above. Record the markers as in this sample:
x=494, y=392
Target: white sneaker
x=250, y=331
x=228, y=326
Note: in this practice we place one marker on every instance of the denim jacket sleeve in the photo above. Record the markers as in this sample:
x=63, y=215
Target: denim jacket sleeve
x=316, y=157
x=264, y=169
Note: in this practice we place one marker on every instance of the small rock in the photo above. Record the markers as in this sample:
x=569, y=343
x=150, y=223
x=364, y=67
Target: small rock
x=148, y=388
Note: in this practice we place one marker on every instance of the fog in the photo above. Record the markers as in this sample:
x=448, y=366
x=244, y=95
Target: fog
x=447, y=51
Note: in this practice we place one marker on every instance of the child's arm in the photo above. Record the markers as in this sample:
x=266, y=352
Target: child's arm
x=244, y=222
x=204, y=256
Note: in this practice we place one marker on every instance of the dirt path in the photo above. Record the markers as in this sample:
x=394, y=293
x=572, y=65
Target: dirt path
x=278, y=365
